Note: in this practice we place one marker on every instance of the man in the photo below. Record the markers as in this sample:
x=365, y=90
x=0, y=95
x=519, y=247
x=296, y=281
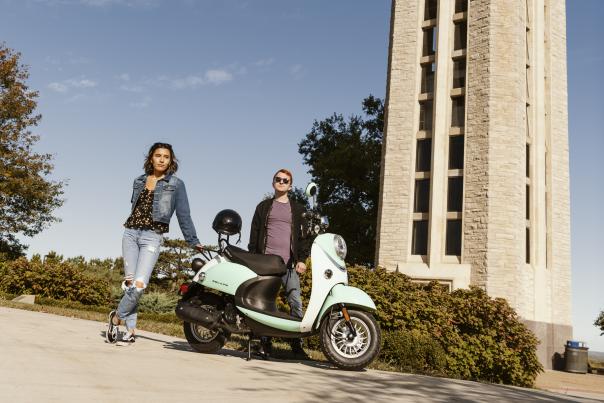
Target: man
x=277, y=230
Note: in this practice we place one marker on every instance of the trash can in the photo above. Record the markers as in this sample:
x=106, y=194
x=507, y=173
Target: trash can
x=575, y=357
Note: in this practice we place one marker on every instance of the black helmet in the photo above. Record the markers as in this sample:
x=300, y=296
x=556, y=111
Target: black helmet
x=227, y=222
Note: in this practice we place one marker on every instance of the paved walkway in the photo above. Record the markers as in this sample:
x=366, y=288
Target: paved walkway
x=48, y=358
x=585, y=385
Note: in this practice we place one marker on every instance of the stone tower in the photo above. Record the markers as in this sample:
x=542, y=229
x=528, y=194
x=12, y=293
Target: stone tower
x=474, y=183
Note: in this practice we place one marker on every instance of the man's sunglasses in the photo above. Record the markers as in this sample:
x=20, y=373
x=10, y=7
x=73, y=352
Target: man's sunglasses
x=279, y=179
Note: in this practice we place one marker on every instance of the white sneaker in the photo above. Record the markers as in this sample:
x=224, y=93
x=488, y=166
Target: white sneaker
x=128, y=337
x=112, y=329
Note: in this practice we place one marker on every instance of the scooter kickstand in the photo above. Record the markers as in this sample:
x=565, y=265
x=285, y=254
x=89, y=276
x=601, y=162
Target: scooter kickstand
x=249, y=348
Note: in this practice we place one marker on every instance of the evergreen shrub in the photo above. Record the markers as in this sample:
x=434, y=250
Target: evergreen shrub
x=482, y=337
x=53, y=279
x=158, y=302
x=413, y=351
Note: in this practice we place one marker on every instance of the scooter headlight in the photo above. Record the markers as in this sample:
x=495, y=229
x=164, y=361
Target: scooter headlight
x=340, y=246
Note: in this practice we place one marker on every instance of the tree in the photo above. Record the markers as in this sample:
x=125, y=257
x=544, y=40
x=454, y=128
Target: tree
x=27, y=196
x=296, y=194
x=599, y=322
x=344, y=160
x=174, y=262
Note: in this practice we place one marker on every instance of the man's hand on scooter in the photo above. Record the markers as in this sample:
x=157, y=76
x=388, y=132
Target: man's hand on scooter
x=300, y=267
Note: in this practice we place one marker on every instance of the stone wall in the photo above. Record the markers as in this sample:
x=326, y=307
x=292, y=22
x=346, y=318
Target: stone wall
x=560, y=191
x=494, y=220
x=399, y=135
x=477, y=152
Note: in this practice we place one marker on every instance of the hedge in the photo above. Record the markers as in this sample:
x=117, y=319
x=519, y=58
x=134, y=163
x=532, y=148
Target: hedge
x=54, y=279
x=463, y=334
x=482, y=337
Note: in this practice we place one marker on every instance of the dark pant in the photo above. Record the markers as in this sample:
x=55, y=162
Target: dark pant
x=291, y=283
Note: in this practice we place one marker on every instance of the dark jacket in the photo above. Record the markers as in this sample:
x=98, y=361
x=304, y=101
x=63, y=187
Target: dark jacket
x=259, y=225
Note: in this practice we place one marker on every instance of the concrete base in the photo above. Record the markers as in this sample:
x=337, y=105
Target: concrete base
x=25, y=299
x=553, y=337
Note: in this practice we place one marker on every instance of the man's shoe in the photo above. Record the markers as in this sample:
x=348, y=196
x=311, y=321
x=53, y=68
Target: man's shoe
x=298, y=351
x=265, y=349
x=112, y=329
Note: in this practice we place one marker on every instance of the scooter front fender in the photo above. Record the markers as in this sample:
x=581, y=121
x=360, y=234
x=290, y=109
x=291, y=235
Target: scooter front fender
x=350, y=296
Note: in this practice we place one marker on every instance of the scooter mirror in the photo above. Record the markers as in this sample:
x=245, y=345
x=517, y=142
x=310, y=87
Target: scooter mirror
x=311, y=190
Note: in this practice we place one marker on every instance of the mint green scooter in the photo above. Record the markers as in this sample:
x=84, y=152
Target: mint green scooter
x=235, y=292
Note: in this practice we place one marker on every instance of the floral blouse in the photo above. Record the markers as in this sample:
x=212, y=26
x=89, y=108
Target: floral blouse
x=142, y=215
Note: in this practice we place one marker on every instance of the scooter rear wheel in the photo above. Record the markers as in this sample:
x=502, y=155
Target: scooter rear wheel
x=344, y=350
x=204, y=340
x=200, y=338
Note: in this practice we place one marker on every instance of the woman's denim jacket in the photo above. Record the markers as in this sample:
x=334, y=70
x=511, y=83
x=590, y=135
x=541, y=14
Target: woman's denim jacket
x=170, y=195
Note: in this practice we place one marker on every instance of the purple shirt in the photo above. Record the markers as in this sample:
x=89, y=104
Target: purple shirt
x=279, y=230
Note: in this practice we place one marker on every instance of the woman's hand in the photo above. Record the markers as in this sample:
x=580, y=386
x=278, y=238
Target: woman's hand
x=300, y=267
x=199, y=247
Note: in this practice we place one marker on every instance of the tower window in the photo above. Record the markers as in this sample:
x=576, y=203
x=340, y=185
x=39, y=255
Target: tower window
x=453, y=243
x=459, y=73
x=461, y=6
x=422, y=196
x=460, y=35
x=456, y=152
x=455, y=194
x=458, y=111
x=419, y=242
x=431, y=7
x=425, y=115
x=429, y=44
x=428, y=77
x=423, y=156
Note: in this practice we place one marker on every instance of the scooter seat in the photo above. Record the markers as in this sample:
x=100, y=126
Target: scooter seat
x=263, y=265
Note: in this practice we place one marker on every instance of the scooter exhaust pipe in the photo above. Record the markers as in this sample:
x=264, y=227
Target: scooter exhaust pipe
x=192, y=313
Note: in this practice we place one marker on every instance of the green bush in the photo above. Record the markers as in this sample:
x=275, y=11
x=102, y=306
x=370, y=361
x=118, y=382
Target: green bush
x=482, y=337
x=427, y=329
x=158, y=302
x=599, y=322
x=413, y=351
x=53, y=279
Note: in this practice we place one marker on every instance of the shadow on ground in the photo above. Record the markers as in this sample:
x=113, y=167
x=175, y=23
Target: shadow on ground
x=340, y=386
x=334, y=385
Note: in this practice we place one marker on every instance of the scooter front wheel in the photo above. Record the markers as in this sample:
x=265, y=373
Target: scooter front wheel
x=347, y=350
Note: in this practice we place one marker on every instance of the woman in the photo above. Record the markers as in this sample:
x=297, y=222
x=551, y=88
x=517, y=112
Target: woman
x=156, y=195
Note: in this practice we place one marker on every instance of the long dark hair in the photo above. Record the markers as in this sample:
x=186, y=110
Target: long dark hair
x=148, y=165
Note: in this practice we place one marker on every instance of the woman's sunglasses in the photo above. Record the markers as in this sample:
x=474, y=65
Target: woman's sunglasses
x=279, y=179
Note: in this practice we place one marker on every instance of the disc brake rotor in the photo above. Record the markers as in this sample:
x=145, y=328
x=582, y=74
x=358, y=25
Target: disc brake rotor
x=346, y=345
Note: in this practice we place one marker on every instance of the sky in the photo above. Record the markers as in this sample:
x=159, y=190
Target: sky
x=234, y=86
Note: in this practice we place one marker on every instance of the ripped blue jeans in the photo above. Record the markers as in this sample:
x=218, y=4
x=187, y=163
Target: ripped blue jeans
x=140, y=249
